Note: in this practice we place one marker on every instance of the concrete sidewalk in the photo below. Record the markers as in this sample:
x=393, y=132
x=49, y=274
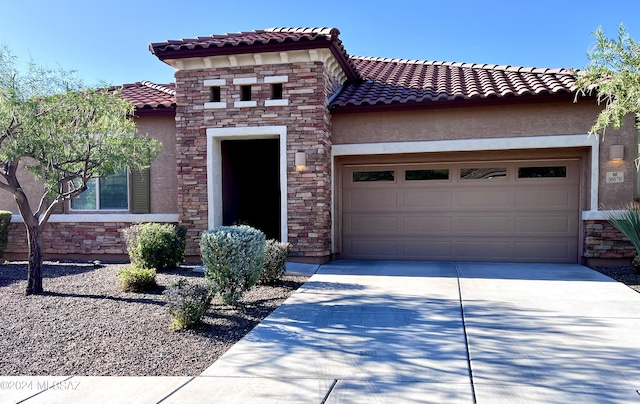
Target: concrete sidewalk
x=363, y=331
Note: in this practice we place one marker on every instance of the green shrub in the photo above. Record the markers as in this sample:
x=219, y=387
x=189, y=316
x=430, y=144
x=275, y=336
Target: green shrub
x=155, y=245
x=135, y=279
x=233, y=258
x=275, y=258
x=5, y=220
x=187, y=303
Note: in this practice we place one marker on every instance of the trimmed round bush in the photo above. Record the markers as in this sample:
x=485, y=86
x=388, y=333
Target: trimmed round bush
x=232, y=258
x=155, y=245
x=5, y=221
x=135, y=279
x=275, y=258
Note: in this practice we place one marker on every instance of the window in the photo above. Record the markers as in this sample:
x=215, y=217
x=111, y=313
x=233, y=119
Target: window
x=366, y=176
x=426, y=175
x=484, y=173
x=245, y=93
x=105, y=193
x=542, y=172
x=276, y=91
x=215, y=94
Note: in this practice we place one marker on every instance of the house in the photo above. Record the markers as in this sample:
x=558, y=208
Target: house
x=364, y=157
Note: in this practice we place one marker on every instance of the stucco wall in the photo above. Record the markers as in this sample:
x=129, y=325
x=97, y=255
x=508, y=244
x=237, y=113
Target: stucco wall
x=162, y=175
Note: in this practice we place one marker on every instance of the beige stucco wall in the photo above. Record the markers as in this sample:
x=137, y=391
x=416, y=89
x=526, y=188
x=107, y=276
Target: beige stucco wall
x=163, y=180
x=561, y=117
x=32, y=188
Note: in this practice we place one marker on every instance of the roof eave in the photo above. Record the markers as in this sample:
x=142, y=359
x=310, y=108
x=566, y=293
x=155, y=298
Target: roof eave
x=158, y=111
x=461, y=103
x=332, y=45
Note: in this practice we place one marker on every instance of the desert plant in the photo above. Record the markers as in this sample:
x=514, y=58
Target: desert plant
x=275, y=258
x=136, y=279
x=233, y=258
x=155, y=245
x=187, y=303
x=627, y=221
x=5, y=220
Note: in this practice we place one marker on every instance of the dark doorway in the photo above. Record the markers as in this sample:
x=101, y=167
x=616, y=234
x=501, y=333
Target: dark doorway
x=251, y=184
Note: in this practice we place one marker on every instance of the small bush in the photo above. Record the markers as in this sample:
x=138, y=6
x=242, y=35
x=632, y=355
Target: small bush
x=155, y=245
x=135, y=279
x=187, y=303
x=5, y=220
x=275, y=258
x=233, y=258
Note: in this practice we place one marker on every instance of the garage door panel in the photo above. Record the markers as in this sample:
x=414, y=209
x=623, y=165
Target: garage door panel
x=374, y=223
x=372, y=200
x=544, y=197
x=428, y=223
x=511, y=218
x=552, y=225
x=373, y=248
x=427, y=249
x=553, y=250
x=479, y=199
x=473, y=250
x=428, y=199
x=485, y=224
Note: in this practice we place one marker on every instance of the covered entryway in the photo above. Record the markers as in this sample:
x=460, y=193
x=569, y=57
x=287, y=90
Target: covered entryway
x=525, y=211
x=251, y=184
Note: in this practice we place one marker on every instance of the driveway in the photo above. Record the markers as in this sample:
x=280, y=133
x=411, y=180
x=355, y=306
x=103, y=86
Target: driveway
x=428, y=332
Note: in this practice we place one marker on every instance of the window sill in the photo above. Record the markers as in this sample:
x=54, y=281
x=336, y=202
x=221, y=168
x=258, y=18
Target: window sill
x=215, y=105
x=276, y=103
x=245, y=104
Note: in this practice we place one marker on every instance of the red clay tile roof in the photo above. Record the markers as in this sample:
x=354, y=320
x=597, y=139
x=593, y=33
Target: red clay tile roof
x=148, y=95
x=400, y=81
x=379, y=81
x=268, y=40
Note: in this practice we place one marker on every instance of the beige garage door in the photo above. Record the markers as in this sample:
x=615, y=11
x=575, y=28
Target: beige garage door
x=498, y=211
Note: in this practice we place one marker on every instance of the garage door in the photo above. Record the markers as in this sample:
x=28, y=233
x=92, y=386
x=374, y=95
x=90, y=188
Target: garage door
x=497, y=211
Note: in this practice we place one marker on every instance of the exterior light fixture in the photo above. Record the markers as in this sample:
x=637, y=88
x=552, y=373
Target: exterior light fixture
x=300, y=161
x=616, y=152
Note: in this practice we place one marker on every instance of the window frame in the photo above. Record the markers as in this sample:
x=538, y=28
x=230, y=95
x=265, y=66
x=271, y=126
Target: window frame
x=97, y=200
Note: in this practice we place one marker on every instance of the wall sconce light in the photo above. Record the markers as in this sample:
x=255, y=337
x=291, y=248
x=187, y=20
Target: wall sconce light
x=300, y=161
x=616, y=152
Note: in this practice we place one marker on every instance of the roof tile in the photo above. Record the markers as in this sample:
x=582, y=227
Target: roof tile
x=397, y=81
x=148, y=95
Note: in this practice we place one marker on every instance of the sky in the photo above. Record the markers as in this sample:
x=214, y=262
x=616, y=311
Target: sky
x=107, y=41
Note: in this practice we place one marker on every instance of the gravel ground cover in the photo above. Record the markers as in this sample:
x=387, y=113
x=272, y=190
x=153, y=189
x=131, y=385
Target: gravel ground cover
x=84, y=325
x=625, y=275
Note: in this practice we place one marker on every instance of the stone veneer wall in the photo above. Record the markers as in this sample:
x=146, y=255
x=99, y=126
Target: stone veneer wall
x=308, y=129
x=602, y=240
x=95, y=240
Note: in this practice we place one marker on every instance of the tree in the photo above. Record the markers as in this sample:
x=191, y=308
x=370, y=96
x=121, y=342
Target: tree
x=63, y=133
x=613, y=75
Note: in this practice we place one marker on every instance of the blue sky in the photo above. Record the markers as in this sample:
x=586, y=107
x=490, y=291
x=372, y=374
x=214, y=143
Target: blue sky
x=108, y=40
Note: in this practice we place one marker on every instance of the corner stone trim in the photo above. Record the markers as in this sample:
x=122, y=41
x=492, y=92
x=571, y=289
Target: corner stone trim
x=602, y=240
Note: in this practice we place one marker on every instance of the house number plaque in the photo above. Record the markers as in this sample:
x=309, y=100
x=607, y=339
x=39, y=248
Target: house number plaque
x=615, y=176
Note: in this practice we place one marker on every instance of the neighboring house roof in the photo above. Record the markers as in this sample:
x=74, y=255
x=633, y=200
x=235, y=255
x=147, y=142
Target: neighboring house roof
x=147, y=96
x=268, y=40
x=401, y=81
x=380, y=82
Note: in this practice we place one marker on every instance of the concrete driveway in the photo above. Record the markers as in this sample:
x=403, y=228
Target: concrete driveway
x=363, y=331
x=421, y=332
